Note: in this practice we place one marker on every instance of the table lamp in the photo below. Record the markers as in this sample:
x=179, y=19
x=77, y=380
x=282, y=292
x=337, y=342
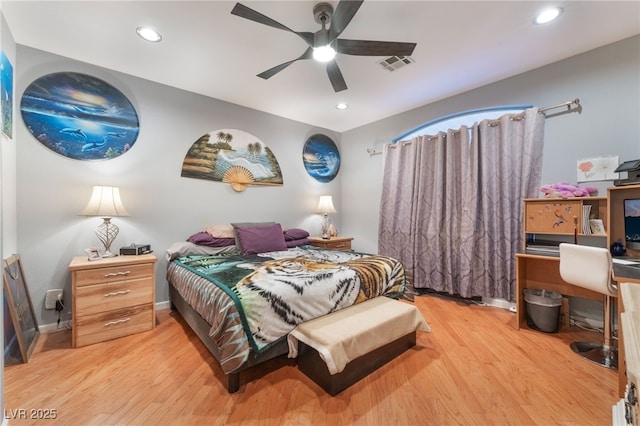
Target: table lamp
x=325, y=206
x=105, y=202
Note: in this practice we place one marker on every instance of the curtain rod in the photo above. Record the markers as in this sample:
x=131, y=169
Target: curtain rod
x=568, y=105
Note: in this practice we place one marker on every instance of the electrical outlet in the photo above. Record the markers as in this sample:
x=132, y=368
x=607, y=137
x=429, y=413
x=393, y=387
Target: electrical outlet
x=51, y=297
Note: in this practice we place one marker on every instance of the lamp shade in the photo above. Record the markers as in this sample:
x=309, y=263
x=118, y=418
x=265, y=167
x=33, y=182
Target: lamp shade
x=105, y=202
x=325, y=205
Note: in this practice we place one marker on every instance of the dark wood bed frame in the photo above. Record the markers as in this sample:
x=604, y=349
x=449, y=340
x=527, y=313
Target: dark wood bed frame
x=309, y=362
x=313, y=366
x=201, y=328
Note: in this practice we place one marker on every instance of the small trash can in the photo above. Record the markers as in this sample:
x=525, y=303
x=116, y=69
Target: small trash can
x=543, y=309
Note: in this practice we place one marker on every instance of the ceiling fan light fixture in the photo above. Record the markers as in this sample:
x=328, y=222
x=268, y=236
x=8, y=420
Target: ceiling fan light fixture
x=548, y=15
x=323, y=53
x=324, y=43
x=149, y=34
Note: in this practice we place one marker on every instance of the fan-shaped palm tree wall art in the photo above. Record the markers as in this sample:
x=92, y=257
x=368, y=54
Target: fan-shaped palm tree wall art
x=232, y=156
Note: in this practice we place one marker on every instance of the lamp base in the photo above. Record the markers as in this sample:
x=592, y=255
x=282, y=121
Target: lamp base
x=325, y=227
x=106, y=233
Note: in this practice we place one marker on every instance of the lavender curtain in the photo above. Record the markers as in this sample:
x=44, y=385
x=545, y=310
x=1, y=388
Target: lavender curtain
x=451, y=205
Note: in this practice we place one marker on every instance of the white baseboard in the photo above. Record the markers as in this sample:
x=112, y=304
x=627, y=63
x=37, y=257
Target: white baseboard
x=163, y=305
x=499, y=303
x=53, y=327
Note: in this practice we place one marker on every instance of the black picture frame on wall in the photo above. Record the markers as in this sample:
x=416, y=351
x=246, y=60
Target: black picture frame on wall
x=18, y=302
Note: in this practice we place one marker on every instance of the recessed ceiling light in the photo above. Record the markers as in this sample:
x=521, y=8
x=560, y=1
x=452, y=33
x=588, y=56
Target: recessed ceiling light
x=149, y=34
x=547, y=15
x=342, y=106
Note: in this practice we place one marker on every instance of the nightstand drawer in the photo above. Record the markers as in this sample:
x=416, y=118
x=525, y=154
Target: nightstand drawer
x=115, y=273
x=340, y=245
x=112, y=297
x=333, y=243
x=116, y=295
x=113, y=324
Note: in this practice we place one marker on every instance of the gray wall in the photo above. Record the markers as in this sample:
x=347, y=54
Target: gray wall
x=164, y=207
x=8, y=212
x=606, y=80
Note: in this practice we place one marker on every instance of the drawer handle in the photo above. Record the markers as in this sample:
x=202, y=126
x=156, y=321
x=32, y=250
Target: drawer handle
x=117, y=293
x=120, y=321
x=116, y=274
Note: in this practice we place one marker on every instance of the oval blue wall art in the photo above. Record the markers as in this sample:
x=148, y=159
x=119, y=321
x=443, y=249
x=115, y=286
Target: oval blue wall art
x=321, y=158
x=79, y=116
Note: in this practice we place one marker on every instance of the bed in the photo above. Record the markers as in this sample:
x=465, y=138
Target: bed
x=242, y=301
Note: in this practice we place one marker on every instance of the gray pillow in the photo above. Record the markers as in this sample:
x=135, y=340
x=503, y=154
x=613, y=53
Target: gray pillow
x=185, y=248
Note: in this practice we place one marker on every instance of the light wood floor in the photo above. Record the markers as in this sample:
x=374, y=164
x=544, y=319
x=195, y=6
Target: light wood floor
x=472, y=369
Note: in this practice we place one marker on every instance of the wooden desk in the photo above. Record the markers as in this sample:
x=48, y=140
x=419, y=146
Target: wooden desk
x=543, y=272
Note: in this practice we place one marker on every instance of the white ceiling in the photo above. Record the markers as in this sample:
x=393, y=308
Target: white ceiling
x=461, y=45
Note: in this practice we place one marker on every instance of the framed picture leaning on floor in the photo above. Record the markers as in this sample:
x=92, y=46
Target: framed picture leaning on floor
x=20, y=307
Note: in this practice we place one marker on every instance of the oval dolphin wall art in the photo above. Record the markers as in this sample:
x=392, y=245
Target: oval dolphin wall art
x=79, y=116
x=321, y=158
x=232, y=156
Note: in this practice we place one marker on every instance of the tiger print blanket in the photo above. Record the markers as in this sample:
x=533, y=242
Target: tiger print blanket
x=274, y=292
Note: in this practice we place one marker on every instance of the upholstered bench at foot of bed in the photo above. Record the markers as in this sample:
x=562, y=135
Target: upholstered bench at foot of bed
x=337, y=350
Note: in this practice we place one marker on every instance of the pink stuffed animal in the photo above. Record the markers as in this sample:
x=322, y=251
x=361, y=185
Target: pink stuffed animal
x=566, y=190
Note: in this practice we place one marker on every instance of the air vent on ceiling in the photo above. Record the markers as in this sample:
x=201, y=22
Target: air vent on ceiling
x=392, y=63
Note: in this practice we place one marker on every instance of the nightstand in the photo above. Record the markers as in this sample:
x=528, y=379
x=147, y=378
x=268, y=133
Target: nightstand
x=112, y=297
x=333, y=243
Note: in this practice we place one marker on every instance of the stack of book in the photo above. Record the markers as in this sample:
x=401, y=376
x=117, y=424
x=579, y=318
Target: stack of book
x=586, y=226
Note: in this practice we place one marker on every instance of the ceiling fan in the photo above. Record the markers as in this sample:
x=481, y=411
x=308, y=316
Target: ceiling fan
x=324, y=43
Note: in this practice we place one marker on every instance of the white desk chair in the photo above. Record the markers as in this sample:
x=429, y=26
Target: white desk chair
x=591, y=268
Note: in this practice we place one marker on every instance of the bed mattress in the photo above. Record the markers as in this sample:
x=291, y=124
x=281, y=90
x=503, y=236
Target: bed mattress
x=253, y=302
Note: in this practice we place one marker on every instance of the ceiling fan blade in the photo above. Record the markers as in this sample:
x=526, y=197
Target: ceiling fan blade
x=343, y=14
x=275, y=70
x=374, y=48
x=335, y=76
x=255, y=16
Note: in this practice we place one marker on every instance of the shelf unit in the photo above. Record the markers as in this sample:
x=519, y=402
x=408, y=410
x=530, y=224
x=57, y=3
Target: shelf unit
x=559, y=216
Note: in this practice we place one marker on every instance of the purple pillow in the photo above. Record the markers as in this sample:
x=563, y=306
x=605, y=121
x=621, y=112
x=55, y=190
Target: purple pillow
x=295, y=234
x=205, y=239
x=298, y=242
x=260, y=239
x=247, y=225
